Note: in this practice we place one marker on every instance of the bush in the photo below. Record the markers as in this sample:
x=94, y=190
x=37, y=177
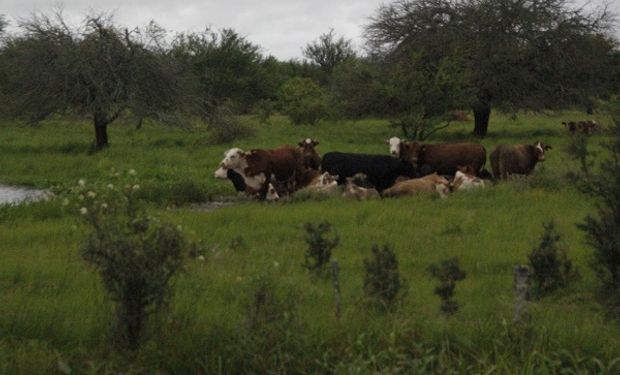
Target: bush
x=264, y=109
x=382, y=281
x=551, y=268
x=303, y=101
x=135, y=254
x=320, y=246
x=225, y=126
x=448, y=273
x=603, y=229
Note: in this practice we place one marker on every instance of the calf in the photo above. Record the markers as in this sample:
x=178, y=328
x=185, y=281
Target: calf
x=272, y=195
x=444, y=158
x=234, y=177
x=517, y=159
x=312, y=160
x=382, y=170
x=323, y=183
x=427, y=184
x=464, y=181
x=360, y=193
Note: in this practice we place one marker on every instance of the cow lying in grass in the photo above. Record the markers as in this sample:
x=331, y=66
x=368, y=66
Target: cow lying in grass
x=427, y=184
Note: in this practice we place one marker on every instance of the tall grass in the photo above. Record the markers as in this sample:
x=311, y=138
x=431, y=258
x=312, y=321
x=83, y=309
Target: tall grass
x=54, y=314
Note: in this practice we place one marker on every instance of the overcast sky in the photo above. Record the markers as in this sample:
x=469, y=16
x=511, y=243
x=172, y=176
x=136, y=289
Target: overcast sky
x=280, y=27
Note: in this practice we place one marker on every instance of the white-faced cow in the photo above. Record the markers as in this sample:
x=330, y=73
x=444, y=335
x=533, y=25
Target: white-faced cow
x=234, y=177
x=463, y=181
x=394, y=146
x=352, y=190
x=444, y=158
x=517, y=159
x=259, y=167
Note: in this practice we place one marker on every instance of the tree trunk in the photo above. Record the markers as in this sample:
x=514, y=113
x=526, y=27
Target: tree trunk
x=101, y=131
x=482, y=112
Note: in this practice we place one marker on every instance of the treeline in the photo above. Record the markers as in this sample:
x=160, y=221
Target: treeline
x=423, y=60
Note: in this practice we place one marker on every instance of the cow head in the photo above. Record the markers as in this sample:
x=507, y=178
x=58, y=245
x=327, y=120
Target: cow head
x=394, y=144
x=272, y=195
x=326, y=179
x=233, y=159
x=412, y=152
x=539, y=150
x=312, y=159
x=221, y=173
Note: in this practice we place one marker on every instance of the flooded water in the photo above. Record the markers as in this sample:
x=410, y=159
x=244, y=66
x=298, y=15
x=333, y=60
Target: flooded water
x=14, y=194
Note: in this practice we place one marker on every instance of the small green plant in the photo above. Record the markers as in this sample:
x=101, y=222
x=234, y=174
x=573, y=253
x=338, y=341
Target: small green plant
x=578, y=150
x=382, y=281
x=447, y=272
x=303, y=101
x=551, y=268
x=225, y=126
x=136, y=255
x=320, y=245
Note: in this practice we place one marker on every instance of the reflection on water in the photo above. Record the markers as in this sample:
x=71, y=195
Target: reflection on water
x=13, y=194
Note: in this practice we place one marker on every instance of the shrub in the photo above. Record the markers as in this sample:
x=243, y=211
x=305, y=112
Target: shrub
x=225, y=126
x=551, y=268
x=578, y=151
x=320, y=246
x=303, y=101
x=448, y=272
x=135, y=254
x=603, y=229
x=264, y=109
x=382, y=281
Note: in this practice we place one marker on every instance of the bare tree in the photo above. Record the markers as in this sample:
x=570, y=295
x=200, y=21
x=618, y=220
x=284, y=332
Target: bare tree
x=523, y=54
x=97, y=69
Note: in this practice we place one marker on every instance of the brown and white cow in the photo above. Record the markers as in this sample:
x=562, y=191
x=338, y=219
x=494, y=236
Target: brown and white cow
x=258, y=167
x=427, y=184
x=323, y=183
x=394, y=146
x=517, y=159
x=444, y=158
x=312, y=160
x=586, y=127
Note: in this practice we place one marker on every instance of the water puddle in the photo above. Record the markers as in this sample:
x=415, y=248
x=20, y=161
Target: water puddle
x=15, y=194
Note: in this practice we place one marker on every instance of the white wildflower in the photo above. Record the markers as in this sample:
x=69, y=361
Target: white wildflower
x=132, y=172
x=179, y=228
x=136, y=187
x=201, y=258
x=91, y=194
x=110, y=186
x=65, y=202
x=81, y=197
x=104, y=205
x=84, y=210
x=82, y=182
x=276, y=263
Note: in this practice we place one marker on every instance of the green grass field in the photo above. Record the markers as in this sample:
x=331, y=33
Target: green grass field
x=54, y=315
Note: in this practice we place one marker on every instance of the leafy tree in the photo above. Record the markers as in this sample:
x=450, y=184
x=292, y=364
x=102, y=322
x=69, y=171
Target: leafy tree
x=522, y=54
x=329, y=51
x=303, y=101
x=227, y=67
x=3, y=24
x=98, y=70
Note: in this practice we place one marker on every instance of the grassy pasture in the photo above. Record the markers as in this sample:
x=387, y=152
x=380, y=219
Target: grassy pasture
x=54, y=314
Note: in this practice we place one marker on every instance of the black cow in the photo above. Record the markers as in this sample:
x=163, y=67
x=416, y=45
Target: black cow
x=236, y=179
x=382, y=170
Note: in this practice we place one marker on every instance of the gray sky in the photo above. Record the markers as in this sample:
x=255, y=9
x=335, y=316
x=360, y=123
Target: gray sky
x=280, y=27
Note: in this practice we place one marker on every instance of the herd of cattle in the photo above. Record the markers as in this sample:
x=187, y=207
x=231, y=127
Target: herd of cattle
x=410, y=168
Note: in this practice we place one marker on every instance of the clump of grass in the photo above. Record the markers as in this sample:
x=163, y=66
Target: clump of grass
x=382, y=281
x=320, y=245
x=551, y=268
x=447, y=272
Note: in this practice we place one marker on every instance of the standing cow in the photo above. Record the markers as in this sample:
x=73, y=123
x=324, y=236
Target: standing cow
x=444, y=158
x=382, y=170
x=517, y=159
x=312, y=160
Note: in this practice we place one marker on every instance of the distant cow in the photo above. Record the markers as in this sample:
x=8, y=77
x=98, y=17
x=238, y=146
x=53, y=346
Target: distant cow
x=312, y=160
x=427, y=184
x=324, y=183
x=517, y=159
x=586, y=127
x=234, y=177
x=257, y=167
x=382, y=170
x=444, y=158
